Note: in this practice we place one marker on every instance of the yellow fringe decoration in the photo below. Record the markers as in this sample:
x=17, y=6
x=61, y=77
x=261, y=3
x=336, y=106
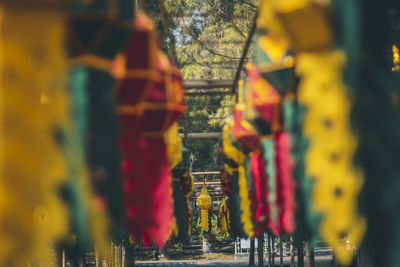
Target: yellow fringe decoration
x=34, y=101
x=204, y=221
x=329, y=158
x=248, y=226
x=233, y=153
x=174, y=145
x=222, y=219
x=190, y=218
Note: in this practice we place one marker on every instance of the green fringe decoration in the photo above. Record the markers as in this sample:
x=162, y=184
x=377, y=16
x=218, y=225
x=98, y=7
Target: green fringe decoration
x=366, y=33
x=307, y=222
x=281, y=80
x=87, y=22
x=249, y=181
x=268, y=150
x=103, y=148
x=74, y=154
x=180, y=210
x=236, y=222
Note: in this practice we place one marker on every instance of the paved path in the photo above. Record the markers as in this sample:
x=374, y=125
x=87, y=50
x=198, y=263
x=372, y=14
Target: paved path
x=189, y=263
x=321, y=254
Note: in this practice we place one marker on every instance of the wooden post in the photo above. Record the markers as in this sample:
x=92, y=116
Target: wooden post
x=111, y=260
x=96, y=257
x=251, y=255
x=300, y=255
x=273, y=250
x=260, y=250
x=269, y=250
x=63, y=257
x=309, y=255
x=123, y=252
x=281, y=249
x=291, y=252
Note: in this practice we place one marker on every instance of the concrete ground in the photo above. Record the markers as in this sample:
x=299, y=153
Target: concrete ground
x=321, y=255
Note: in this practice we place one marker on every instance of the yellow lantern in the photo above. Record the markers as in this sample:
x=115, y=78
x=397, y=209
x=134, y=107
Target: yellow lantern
x=204, y=203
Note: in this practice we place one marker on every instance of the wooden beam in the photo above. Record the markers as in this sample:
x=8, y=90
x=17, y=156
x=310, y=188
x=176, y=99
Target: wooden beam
x=201, y=135
x=207, y=183
x=205, y=173
x=207, y=84
x=208, y=93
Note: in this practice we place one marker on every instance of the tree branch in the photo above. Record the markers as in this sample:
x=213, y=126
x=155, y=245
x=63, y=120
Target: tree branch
x=171, y=37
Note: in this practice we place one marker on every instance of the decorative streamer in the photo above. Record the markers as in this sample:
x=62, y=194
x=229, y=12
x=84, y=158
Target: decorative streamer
x=366, y=32
x=234, y=203
x=245, y=202
x=34, y=112
x=226, y=180
x=231, y=168
x=284, y=165
x=259, y=194
x=223, y=217
x=268, y=150
x=264, y=111
x=97, y=32
x=187, y=181
x=248, y=140
x=232, y=152
x=331, y=150
x=179, y=174
x=307, y=221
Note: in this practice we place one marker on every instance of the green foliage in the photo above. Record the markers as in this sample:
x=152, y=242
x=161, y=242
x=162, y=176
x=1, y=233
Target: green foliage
x=196, y=227
x=210, y=35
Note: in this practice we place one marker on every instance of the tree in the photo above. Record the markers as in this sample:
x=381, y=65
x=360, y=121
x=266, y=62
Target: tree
x=210, y=35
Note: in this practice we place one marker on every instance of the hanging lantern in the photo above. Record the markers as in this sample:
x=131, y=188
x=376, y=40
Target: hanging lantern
x=204, y=203
x=274, y=61
x=262, y=102
x=164, y=102
x=306, y=24
x=223, y=217
x=264, y=111
x=243, y=131
x=159, y=110
x=147, y=97
x=97, y=31
x=226, y=180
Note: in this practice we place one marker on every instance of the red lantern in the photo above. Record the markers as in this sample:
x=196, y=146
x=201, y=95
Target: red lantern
x=226, y=180
x=145, y=96
x=259, y=193
x=161, y=108
x=263, y=103
x=284, y=166
x=164, y=103
x=244, y=132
